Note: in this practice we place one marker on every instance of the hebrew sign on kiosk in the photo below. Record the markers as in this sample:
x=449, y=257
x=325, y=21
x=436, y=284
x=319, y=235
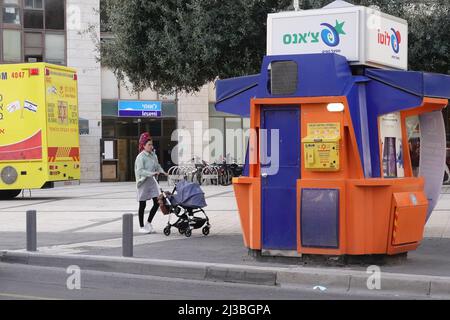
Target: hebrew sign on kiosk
x=362, y=35
x=335, y=87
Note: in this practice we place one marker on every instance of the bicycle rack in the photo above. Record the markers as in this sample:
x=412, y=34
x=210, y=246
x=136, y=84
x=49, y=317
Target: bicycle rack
x=210, y=174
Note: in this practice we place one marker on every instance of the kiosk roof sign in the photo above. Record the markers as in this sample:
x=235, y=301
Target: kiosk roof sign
x=363, y=35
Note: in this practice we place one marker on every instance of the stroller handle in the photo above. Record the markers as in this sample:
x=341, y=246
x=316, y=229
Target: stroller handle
x=156, y=181
x=162, y=191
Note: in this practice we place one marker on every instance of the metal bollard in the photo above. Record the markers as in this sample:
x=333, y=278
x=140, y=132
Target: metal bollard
x=31, y=231
x=127, y=235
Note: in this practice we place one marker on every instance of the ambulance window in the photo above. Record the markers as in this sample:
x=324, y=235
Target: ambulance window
x=11, y=12
x=12, y=46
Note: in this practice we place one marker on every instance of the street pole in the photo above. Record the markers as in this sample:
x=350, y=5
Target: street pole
x=127, y=235
x=31, y=231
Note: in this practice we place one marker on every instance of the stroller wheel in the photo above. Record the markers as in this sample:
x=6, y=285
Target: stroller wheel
x=205, y=231
x=167, y=231
x=188, y=233
x=181, y=231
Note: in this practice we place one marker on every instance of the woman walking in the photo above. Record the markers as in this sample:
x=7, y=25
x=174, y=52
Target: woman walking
x=147, y=168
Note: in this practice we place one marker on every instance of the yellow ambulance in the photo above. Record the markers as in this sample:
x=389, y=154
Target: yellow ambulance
x=39, y=135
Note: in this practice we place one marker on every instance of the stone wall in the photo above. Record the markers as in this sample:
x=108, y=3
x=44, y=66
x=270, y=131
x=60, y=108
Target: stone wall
x=82, y=55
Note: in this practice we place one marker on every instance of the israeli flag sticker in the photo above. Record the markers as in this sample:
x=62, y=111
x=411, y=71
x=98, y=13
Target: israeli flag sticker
x=13, y=106
x=30, y=106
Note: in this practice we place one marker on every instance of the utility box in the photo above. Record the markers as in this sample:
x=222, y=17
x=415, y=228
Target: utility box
x=364, y=36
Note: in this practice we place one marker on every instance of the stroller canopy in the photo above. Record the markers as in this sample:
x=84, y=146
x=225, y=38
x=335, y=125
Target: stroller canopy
x=189, y=195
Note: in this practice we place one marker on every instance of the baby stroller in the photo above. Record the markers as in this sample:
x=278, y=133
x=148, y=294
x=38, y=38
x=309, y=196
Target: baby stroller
x=184, y=202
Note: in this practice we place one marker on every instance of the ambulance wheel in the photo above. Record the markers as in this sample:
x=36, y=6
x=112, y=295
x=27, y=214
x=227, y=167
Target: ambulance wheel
x=188, y=233
x=167, y=231
x=9, y=194
x=205, y=231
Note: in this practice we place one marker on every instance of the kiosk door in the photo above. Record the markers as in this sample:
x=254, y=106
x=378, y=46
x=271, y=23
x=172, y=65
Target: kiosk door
x=279, y=177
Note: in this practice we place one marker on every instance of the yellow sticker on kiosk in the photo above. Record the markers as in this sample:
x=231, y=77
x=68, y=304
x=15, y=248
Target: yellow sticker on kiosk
x=321, y=146
x=324, y=130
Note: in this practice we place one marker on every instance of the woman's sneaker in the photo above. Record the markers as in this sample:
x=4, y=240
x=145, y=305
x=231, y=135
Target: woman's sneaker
x=149, y=228
x=144, y=230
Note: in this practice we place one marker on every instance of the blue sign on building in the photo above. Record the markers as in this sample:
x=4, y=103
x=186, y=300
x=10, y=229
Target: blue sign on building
x=140, y=109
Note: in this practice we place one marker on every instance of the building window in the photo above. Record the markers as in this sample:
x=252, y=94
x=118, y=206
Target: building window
x=34, y=4
x=54, y=14
x=33, y=19
x=217, y=136
x=229, y=136
x=33, y=31
x=11, y=12
x=12, y=46
x=108, y=128
x=33, y=47
x=55, y=45
x=234, y=140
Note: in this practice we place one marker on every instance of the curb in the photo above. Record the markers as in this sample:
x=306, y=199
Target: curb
x=334, y=280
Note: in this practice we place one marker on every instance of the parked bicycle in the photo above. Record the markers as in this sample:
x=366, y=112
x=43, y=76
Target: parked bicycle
x=202, y=173
x=197, y=172
x=236, y=169
x=225, y=174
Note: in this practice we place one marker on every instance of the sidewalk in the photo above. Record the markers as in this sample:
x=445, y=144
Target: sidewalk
x=90, y=212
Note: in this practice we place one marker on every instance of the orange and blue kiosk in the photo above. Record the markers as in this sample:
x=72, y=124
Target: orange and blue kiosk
x=323, y=174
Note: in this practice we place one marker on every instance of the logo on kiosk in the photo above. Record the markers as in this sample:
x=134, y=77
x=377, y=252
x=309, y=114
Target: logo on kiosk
x=331, y=35
x=392, y=39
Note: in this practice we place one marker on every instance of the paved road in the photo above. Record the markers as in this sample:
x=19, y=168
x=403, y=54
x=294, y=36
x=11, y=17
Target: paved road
x=40, y=283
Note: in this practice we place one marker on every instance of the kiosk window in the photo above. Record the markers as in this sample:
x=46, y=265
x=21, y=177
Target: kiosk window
x=413, y=131
x=391, y=145
x=284, y=77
